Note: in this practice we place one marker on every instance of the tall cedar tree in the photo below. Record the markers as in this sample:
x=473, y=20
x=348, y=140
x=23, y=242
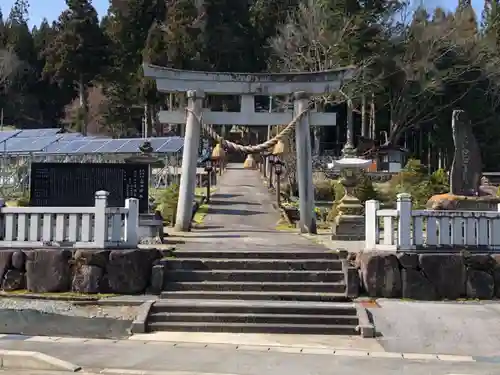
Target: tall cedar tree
x=78, y=52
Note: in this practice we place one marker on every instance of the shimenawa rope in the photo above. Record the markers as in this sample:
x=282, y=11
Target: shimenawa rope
x=231, y=146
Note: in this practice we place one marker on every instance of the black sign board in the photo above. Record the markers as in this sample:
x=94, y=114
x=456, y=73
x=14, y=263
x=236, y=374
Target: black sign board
x=75, y=184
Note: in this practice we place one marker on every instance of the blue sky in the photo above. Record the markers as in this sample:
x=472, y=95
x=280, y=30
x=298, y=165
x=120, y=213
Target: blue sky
x=40, y=9
x=50, y=9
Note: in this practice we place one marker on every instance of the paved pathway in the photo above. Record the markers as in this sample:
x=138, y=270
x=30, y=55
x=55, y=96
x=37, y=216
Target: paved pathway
x=241, y=216
x=190, y=359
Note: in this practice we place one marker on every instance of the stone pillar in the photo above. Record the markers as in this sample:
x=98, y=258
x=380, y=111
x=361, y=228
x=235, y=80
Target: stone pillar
x=189, y=161
x=307, y=222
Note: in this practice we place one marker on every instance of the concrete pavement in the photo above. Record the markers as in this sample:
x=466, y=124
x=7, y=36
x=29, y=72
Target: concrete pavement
x=241, y=217
x=134, y=357
x=461, y=328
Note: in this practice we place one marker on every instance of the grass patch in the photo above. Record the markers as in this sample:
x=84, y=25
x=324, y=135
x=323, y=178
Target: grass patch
x=200, y=214
x=202, y=191
x=284, y=227
x=58, y=295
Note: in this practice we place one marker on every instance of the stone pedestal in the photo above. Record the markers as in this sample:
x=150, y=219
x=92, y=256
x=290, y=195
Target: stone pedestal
x=349, y=224
x=349, y=228
x=462, y=203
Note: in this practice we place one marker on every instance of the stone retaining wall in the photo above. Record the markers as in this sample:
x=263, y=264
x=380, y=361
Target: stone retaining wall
x=426, y=276
x=79, y=271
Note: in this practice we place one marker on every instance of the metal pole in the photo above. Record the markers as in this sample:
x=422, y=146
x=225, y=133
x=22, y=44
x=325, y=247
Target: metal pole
x=268, y=165
x=278, y=190
x=209, y=175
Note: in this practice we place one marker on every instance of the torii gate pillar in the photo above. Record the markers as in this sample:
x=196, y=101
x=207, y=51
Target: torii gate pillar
x=307, y=221
x=189, y=160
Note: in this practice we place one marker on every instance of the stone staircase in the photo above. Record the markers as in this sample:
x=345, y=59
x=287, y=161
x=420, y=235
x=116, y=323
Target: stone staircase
x=255, y=291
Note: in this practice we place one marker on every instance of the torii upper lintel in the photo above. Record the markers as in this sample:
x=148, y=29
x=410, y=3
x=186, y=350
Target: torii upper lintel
x=314, y=83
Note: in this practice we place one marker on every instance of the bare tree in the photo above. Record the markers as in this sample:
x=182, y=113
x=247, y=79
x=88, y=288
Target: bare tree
x=9, y=66
x=415, y=64
x=433, y=57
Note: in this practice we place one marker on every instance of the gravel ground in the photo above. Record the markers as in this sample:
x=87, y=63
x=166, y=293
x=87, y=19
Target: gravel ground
x=59, y=318
x=67, y=308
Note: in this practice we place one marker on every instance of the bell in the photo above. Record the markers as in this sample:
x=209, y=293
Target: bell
x=218, y=152
x=279, y=148
x=250, y=162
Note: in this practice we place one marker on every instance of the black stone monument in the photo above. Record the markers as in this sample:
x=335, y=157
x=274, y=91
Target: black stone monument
x=75, y=184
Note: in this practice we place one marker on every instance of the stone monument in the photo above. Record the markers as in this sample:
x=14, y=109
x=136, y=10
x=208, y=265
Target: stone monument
x=465, y=173
x=466, y=192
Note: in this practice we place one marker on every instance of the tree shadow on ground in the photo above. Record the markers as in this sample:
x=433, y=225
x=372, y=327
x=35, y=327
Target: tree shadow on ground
x=243, y=203
x=221, y=229
x=222, y=236
x=235, y=212
x=173, y=242
x=226, y=196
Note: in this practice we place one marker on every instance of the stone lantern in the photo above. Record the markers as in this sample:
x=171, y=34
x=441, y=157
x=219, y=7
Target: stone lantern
x=349, y=224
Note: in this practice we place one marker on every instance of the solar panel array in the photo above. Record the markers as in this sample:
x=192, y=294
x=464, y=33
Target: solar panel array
x=51, y=142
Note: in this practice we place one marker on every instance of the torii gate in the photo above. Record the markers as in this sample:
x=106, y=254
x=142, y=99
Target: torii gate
x=247, y=86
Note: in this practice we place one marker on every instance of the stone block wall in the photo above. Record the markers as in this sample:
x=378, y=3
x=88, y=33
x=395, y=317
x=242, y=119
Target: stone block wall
x=427, y=276
x=79, y=271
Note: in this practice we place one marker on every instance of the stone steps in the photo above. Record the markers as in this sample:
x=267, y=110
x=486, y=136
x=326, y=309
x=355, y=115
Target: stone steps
x=254, y=328
x=253, y=318
x=253, y=276
x=257, y=286
x=258, y=295
x=254, y=291
x=176, y=264
x=266, y=253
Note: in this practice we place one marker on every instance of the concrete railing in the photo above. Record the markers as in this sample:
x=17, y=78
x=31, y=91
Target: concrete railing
x=99, y=226
x=406, y=229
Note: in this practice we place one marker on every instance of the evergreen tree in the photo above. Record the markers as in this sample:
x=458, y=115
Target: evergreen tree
x=78, y=52
x=228, y=36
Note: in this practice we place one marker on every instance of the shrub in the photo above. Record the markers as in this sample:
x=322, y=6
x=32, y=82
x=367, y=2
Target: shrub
x=166, y=203
x=412, y=174
x=414, y=180
x=364, y=191
x=323, y=190
x=24, y=201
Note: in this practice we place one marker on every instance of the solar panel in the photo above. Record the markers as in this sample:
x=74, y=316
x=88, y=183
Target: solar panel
x=34, y=133
x=130, y=146
x=22, y=145
x=69, y=136
x=55, y=147
x=113, y=146
x=174, y=145
x=73, y=146
x=75, y=143
x=7, y=134
x=156, y=143
x=92, y=146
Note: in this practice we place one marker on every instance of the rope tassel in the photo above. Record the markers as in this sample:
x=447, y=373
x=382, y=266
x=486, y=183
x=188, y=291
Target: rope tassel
x=218, y=152
x=250, y=162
